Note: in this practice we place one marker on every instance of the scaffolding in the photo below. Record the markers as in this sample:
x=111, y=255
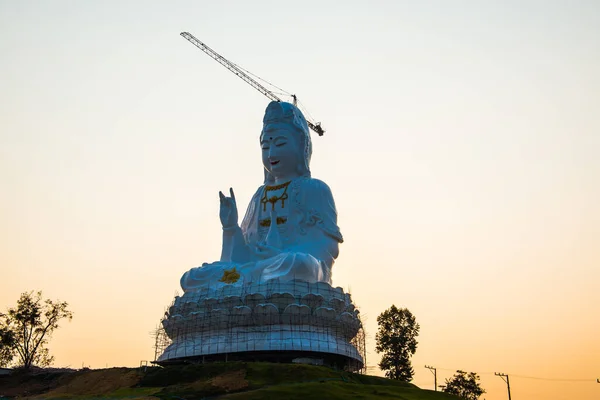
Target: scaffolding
x=292, y=321
x=360, y=343
x=161, y=340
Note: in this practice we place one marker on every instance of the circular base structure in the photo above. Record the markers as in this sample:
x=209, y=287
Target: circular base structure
x=289, y=357
x=285, y=321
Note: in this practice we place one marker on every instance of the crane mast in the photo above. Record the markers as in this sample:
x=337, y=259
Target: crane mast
x=244, y=76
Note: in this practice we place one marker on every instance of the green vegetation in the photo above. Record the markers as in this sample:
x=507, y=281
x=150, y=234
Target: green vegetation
x=466, y=386
x=396, y=338
x=26, y=329
x=338, y=390
x=233, y=380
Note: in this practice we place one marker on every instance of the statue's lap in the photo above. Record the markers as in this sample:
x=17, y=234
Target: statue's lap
x=284, y=266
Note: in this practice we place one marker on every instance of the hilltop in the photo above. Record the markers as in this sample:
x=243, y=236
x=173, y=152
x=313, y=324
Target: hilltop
x=233, y=380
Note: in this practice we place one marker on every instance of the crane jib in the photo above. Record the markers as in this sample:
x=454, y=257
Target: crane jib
x=242, y=75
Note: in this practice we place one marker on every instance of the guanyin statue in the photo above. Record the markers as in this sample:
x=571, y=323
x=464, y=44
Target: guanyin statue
x=269, y=297
x=290, y=228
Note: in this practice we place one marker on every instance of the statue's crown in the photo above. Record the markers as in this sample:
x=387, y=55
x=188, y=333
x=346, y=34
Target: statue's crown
x=285, y=113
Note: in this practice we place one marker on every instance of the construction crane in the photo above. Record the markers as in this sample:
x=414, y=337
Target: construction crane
x=244, y=76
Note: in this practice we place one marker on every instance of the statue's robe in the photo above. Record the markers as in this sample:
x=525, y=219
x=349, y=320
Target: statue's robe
x=307, y=233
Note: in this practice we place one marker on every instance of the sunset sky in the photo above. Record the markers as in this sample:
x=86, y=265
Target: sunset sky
x=462, y=149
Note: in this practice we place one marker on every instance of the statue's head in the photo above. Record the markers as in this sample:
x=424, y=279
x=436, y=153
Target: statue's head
x=285, y=142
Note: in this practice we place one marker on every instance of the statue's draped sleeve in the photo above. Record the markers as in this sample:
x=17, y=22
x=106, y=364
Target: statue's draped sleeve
x=250, y=221
x=316, y=201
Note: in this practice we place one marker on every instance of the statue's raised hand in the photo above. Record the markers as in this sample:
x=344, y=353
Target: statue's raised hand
x=228, y=211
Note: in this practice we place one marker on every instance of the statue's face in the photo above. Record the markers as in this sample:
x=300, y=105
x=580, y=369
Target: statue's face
x=280, y=153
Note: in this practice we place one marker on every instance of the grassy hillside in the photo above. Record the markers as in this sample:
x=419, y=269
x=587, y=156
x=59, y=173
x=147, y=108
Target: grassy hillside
x=234, y=380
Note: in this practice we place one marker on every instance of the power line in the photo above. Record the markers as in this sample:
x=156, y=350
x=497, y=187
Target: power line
x=552, y=379
x=534, y=377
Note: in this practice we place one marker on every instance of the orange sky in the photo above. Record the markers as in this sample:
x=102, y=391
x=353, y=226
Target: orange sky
x=461, y=148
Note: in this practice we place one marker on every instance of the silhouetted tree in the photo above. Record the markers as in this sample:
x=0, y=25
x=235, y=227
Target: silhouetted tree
x=7, y=343
x=396, y=339
x=26, y=329
x=466, y=386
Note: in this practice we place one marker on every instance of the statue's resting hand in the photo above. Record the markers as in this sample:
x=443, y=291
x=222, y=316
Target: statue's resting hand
x=228, y=212
x=264, y=251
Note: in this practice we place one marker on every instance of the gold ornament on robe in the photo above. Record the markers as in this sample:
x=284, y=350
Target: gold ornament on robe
x=230, y=276
x=274, y=198
x=267, y=222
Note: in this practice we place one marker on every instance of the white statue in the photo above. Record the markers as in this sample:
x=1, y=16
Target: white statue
x=290, y=228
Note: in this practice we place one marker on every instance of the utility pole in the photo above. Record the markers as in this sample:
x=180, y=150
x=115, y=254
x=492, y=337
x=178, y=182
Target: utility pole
x=501, y=375
x=434, y=372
